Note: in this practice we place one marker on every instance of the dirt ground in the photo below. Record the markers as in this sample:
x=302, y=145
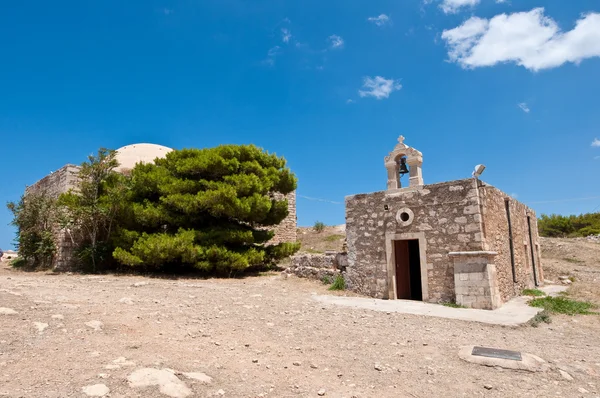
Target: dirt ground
x=260, y=337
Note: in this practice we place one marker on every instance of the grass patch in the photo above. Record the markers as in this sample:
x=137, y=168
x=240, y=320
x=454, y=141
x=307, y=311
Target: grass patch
x=319, y=226
x=334, y=238
x=326, y=280
x=563, y=305
x=573, y=260
x=338, y=284
x=452, y=304
x=539, y=318
x=533, y=292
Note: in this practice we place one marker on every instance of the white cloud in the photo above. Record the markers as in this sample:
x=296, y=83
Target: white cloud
x=336, y=41
x=596, y=157
x=381, y=20
x=596, y=142
x=271, y=55
x=514, y=195
x=529, y=39
x=350, y=101
x=378, y=87
x=524, y=107
x=286, y=35
x=453, y=6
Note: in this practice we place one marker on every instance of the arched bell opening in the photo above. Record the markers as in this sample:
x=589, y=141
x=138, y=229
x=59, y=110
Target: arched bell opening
x=404, y=161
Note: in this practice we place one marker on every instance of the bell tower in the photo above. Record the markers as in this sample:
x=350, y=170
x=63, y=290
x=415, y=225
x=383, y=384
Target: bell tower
x=401, y=161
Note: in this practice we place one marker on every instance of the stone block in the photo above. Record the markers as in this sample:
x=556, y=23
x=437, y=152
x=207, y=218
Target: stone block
x=464, y=277
x=473, y=209
x=460, y=220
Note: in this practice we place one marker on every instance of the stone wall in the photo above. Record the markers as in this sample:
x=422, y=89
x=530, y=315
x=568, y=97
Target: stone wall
x=475, y=280
x=445, y=217
x=56, y=183
x=53, y=185
x=318, y=266
x=286, y=231
x=495, y=224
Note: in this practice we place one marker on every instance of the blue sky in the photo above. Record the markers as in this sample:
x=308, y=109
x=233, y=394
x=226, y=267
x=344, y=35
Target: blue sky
x=330, y=85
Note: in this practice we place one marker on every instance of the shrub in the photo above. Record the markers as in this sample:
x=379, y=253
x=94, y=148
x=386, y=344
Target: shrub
x=540, y=317
x=326, y=280
x=563, y=305
x=562, y=226
x=34, y=217
x=319, y=226
x=533, y=292
x=338, y=284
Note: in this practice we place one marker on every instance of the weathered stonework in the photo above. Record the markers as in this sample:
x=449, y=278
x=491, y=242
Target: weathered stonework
x=464, y=216
x=287, y=230
x=318, y=266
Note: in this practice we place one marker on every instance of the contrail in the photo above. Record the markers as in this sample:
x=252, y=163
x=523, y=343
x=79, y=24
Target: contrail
x=320, y=200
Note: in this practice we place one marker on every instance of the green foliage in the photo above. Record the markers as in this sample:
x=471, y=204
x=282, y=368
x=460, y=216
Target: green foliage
x=208, y=209
x=533, y=292
x=19, y=262
x=34, y=217
x=326, y=280
x=91, y=211
x=338, y=284
x=452, y=304
x=319, y=226
x=334, y=238
x=539, y=318
x=569, y=226
x=563, y=305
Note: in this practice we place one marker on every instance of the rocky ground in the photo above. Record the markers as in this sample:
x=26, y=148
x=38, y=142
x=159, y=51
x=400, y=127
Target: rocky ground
x=123, y=336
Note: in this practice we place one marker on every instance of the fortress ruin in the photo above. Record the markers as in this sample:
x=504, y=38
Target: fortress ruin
x=128, y=156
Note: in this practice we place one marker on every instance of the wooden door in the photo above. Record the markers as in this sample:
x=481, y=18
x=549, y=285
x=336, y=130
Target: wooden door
x=402, y=257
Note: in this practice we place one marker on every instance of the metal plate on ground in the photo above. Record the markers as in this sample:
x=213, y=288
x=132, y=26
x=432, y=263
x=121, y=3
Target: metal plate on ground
x=496, y=353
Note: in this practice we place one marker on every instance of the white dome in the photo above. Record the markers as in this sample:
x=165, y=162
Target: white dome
x=129, y=155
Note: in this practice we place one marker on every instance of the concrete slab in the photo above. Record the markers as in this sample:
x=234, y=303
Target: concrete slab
x=529, y=362
x=513, y=313
x=553, y=290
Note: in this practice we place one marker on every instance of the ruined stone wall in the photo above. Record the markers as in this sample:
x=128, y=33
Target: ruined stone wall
x=318, y=266
x=446, y=215
x=56, y=183
x=53, y=185
x=495, y=223
x=286, y=231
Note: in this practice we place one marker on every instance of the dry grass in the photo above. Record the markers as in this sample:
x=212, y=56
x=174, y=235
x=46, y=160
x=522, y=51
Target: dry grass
x=331, y=238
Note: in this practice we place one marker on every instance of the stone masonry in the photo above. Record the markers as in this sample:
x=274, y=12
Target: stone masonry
x=463, y=234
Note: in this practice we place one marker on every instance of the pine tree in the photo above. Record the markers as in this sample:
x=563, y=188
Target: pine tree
x=210, y=209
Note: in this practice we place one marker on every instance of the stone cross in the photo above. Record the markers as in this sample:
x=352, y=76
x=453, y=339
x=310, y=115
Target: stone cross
x=401, y=140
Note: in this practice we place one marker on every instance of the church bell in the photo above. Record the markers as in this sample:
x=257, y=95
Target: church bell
x=403, y=168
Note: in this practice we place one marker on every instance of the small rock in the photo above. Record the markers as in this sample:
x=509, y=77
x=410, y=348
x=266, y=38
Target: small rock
x=97, y=390
x=488, y=387
x=7, y=311
x=582, y=390
x=565, y=375
x=122, y=361
x=40, y=326
x=139, y=284
x=58, y=316
x=103, y=375
x=126, y=300
x=220, y=392
x=199, y=376
x=313, y=366
x=378, y=367
x=321, y=392
x=255, y=361
x=296, y=363
x=96, y=325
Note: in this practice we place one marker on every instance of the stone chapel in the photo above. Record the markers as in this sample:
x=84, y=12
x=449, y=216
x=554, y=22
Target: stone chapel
x=460, y=241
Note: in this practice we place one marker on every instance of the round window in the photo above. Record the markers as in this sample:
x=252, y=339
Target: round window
x=405, y=217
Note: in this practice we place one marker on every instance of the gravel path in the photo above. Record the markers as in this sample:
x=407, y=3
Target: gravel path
x=122, y=336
